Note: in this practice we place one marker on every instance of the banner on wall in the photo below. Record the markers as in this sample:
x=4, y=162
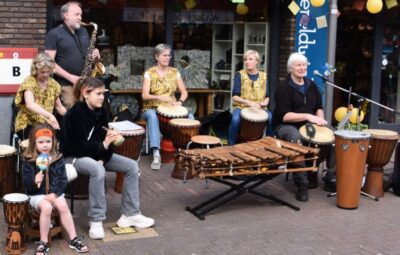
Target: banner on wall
x=15, y=66
x=184, y=16
x=312, y=37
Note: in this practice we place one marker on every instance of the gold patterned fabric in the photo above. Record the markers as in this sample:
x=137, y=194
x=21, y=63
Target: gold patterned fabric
x=252, y=90
x=161, y=86
x=44, y=98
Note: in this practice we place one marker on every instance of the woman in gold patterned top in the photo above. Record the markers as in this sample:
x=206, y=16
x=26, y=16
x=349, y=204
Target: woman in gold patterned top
x=159, y=85
x=249, y=90
x=37, y=97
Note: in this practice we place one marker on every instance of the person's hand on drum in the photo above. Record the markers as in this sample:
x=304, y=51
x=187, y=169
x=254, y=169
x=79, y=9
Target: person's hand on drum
x=51, y=119
x=111, y=136
x=165, y=99
x=253, y=104
x=177, y=103
x=317, y=120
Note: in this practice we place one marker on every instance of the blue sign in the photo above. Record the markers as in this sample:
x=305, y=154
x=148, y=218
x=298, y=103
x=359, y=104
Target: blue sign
x=311, y=40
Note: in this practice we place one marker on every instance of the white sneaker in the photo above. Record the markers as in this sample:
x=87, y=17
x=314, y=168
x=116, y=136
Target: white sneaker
x=96, y=230
x=156, y=164
x=138, y=220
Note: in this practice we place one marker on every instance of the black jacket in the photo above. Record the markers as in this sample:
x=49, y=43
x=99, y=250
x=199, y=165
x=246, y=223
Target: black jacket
x=82, y=133
x=289, y=98
x=57, y=177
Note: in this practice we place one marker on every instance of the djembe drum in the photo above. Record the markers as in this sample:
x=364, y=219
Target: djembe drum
x=7, y=169
x=130, y=148
x=252, y=123
x=182, y=131
x=351, y=154
x=15, y=207
x=165, y=113
x=382, y=144
x=319, y=137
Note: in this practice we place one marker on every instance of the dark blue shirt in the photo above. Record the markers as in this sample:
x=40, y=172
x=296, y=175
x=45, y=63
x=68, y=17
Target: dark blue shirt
x=71, y=49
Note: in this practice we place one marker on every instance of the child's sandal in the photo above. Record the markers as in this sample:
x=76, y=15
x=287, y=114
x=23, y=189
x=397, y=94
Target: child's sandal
x=42, y=248
x=77, y=245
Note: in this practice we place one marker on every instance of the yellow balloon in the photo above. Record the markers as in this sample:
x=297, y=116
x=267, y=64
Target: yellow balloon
x=340, y=113
x=353, y=117
x=242, y=9
x=317, y=3
x=374, y=6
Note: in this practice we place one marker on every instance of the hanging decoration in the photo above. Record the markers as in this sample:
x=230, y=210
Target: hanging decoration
x=190, y=4
x=374, y=6
x=391, y=3
x=242, y=9
x=317, y=3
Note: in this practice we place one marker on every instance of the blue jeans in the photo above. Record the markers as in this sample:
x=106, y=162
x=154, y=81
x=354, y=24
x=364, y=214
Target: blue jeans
x=97, y=173
x=235, y=126
x=153, y=126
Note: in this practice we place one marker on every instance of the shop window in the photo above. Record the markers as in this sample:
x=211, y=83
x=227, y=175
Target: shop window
x=390, y=68
x=354, y=51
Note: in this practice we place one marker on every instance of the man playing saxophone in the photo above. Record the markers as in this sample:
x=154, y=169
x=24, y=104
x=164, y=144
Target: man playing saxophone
x=68, y=45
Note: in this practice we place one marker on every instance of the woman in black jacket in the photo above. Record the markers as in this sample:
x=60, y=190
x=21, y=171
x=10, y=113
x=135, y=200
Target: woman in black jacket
x=85, y=138
x=298, y=101
x=42, y=162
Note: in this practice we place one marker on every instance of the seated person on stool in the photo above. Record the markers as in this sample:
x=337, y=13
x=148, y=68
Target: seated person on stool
x=48, y=194
x=298, y=101
x=37, y=97
x=250, y=90
x=84, y=138
x=159, y=85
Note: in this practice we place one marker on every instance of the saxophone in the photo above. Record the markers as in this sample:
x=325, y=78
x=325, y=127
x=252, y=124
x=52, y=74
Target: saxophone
x=92, y=67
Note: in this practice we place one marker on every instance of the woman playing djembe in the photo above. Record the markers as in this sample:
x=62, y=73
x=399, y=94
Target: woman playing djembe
x=37, y=97
x=250, y=90
x=159, y=85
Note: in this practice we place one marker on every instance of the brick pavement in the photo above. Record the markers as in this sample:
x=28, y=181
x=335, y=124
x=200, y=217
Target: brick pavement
x=247, y=225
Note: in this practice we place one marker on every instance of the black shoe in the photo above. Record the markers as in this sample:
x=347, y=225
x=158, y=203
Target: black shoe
x=302, y=194
x=312, y=180
x=330, y=186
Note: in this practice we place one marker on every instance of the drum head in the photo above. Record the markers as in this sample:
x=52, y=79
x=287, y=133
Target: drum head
x=323, y=135
x=382, y=133
x=134, y=132
x=15, y=198
x=173, y=111
x=351, y=134
x=254, y=114
x=6, y=150
x=184, y=122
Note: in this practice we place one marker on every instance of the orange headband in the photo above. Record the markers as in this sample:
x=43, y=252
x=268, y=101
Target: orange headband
x=43, y=132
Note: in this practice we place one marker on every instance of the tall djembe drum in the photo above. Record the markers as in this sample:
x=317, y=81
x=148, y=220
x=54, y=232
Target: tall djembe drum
x=165, y=113
x=8, y=159
x=252, y=124
x=15, y=207
x=182, y=131
x=382, y=144
x=130, y=148
x=351, y=154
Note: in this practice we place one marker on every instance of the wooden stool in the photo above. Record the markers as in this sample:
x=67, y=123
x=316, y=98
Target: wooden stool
x=33, y=229
x=206, y=140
